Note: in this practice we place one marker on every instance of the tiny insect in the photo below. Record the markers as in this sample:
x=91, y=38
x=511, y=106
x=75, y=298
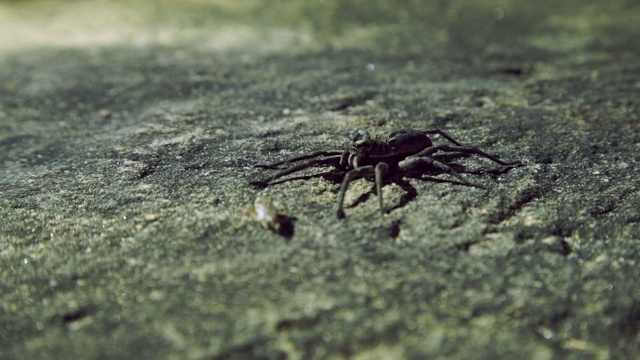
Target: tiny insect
x=399, y=153
x=270, y=214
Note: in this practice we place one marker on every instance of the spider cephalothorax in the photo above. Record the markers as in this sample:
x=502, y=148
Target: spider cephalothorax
x=400, y=152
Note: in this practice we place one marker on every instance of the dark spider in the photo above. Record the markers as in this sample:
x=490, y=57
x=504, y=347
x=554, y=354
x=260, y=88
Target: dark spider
x=403, y=150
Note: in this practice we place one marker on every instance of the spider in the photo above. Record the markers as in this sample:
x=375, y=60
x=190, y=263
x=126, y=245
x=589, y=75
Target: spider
x=403, y=150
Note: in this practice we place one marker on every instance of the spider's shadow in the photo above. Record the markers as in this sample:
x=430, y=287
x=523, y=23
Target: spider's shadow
x=336, y=175
x=410, y=192
x=427, y=174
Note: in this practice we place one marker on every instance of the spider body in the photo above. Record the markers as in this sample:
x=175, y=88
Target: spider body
x=398, y=146
x=403, y=150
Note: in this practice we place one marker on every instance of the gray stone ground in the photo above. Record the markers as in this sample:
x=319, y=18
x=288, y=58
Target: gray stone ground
x=127, y=151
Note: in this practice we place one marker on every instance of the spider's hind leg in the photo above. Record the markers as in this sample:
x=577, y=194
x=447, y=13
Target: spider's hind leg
x=476, y=151
x=412, y=162
x=441, y=133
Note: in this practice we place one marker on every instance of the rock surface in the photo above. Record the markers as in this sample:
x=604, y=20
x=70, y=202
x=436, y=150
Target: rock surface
x=129, y=135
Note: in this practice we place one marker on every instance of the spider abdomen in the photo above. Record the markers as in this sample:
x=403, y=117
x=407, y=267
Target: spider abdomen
x=408, y=142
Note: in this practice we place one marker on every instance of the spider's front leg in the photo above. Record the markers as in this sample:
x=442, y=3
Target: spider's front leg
x=381, y=171
x=378, y=171
x=298, y=158
x=313, y=159
x=348, y=178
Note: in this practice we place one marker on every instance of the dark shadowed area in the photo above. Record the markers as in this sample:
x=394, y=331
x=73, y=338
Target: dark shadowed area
x=130, y=131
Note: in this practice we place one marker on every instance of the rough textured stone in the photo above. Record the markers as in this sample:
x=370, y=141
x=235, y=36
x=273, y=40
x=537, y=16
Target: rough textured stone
x=127, y=151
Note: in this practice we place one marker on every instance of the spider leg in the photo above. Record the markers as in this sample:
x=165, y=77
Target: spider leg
x=441, y=133
x=348, y=177
x=411, y=162
x=472, y=150
x=301, y=157
x=329, y=160
x=426, y=152
x=381, y=170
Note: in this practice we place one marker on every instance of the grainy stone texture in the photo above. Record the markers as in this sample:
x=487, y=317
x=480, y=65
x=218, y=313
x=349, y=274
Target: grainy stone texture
x=127, y=151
